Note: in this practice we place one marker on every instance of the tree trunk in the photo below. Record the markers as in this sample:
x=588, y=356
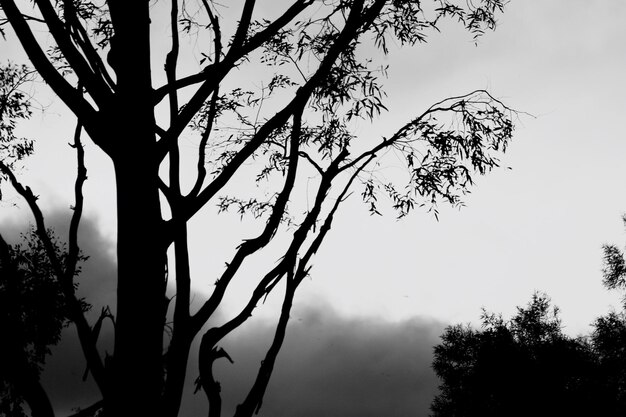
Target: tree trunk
x=137, y=369
x=137, y=375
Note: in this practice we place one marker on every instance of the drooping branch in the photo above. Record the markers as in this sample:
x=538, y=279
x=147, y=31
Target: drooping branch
x=441, y=158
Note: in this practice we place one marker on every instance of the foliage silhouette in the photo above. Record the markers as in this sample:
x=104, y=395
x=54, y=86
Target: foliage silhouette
x=316, y=65
x=33, y=310
x=609, y=334
x=527, y=366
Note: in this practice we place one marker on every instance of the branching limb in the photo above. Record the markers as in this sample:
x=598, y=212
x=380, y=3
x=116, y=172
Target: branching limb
x=253, y=245
x=94, y=85
x=296, y=274
x=213, y=74
x=217, y=33
x=317, y=167
x=244, y=24
x=71, y=97
x=302, y=271
x=81, y=38
x=201, y=167
x=345, y=37
x=207, y=356
x=84, y=330
x=87, y=337
x=284, y=266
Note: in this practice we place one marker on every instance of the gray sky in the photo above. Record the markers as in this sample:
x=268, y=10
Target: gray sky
x=539, y=226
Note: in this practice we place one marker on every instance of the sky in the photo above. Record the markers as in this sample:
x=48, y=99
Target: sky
x=382, y=290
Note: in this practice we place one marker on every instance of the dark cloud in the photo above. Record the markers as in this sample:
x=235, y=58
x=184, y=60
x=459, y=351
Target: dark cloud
x=329, y=365
x=334, y=366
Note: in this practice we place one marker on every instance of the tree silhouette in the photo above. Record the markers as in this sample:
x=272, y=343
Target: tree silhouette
x=609, y=335
x=315, y=63
x=527, y=366
x=33, y=310
x=524, y=366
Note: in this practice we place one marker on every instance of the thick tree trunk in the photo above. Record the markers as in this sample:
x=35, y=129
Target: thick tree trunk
x=137, y=370
x=137, y=375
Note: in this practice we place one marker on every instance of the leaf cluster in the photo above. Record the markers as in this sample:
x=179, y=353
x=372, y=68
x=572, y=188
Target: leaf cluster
x=442, y=150
x=15, y=106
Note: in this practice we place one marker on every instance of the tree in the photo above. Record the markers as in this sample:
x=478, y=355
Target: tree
x=524, y=366
x=527, y=366
x=609, y=334
x=316, y=64
x=33, y=311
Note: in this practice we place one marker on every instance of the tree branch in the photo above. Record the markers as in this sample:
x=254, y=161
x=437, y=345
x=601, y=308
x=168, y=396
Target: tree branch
x=206, y=357
x=81, y=38
x=201, y=167
x=213, y=74
x=253, y=245
x=254, y=399
x=244, y=25
x=170, y=71
x=95, y=86
x=84, y=331
x=283, y=267
x=301, y=97
x=70, y=96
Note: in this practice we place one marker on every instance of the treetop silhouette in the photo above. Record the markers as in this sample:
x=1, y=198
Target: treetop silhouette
x=317, y=81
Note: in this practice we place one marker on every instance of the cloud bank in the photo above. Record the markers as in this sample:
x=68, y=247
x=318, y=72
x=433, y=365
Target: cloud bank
x=335, y=366
x=330, y=365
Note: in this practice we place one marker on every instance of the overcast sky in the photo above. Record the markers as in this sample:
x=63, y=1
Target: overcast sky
x=381, y=290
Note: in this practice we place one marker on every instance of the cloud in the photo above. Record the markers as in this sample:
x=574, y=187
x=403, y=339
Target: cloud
x=330, y=365
x=336, y=366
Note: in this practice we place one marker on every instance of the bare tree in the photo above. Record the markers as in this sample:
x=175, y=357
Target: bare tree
x=315, y=63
